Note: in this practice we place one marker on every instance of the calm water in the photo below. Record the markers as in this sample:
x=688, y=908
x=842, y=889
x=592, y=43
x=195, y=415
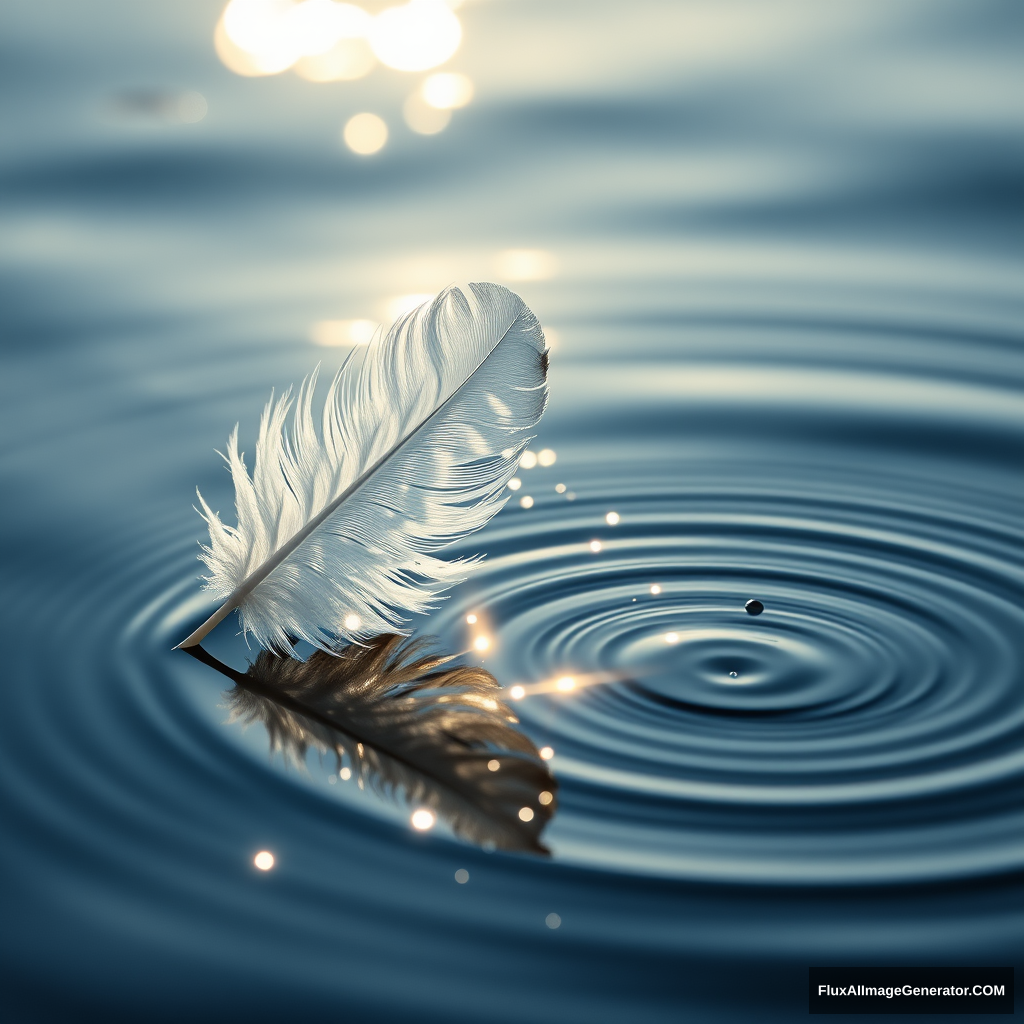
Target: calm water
x=783, y=283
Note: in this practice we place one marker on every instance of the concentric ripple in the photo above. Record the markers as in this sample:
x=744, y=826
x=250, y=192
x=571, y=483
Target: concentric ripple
x=865, y=728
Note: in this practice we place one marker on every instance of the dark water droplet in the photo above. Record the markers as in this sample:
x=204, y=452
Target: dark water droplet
x=754, y=607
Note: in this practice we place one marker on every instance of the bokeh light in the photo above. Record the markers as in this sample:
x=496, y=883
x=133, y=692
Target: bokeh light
x=462, y=876
x=545, y=798
x=422, y=118
x=528, y=460
x=365, y=134
x=526, y=813
x=612, y=518
x=447, y=90
x=423, y=819
x=471, y=619
x=264, y=860
x=525, y=265
x=416, y=36
x=332, y=333
x=515, y=483
x=517, y=692
x=481, y=643
x=655, y=589
x=346, y=61
x=402, y=304
x=547, y=457
x=595, y=546
x=526, y=501
x=546, y=753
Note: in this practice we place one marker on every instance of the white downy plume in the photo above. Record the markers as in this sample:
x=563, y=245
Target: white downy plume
x=420, y=434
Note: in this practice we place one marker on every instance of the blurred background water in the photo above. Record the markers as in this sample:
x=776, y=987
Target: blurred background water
x=777, y=250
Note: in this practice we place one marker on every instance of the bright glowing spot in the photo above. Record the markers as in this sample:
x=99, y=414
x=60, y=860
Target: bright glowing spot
x=526, y=501
x=671, y=638
x=545, y=798
x=359, y=749
x=655, y=589
x=423, y=819
x=481, y=643
x=402, y=304
x=612, y=518
x=275, y=56
x=566, y=683
x=471, y=619
x=346, y=61
x=560, y=488
x=526, y=813
x=353, y=622
x=546, y=753
x=493, y=766
x=515, y=483
x=264, y=860
x=313, y=27
x=365, y=134
x=416, y=36
x=552, y=921
x=462, y=876
x=547, y=457
x=345, y=774
x=332, y=333
x=528, y=460
x=517, y=693
x=447, y=91
x=491, y=705
x=525, y=265
x=422, y=118
x=595, y=546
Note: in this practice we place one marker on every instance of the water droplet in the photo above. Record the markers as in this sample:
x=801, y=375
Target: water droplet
x=754, y=607
x=733, y=674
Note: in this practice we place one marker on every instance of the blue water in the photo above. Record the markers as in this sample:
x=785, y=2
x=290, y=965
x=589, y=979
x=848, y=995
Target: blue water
x=786, y=350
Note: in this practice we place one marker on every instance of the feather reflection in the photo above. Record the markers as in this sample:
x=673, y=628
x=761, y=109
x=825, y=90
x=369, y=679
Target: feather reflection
x=414, y=727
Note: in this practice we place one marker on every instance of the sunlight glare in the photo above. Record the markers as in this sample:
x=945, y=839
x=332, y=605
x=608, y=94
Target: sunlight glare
x=481, y=643
x=655, y=589
x=416, y=36
x=471, y=619
x=264, y=860
x=671, y=638
x=353, y=622
x=566, y=683
x=517, y=692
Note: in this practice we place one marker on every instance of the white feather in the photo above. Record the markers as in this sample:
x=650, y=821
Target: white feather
x=418, y=439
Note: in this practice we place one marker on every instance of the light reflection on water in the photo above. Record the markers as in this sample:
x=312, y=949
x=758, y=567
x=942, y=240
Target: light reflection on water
x=780, y=243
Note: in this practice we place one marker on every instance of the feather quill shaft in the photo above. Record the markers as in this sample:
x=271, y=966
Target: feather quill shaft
x=418, y=442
